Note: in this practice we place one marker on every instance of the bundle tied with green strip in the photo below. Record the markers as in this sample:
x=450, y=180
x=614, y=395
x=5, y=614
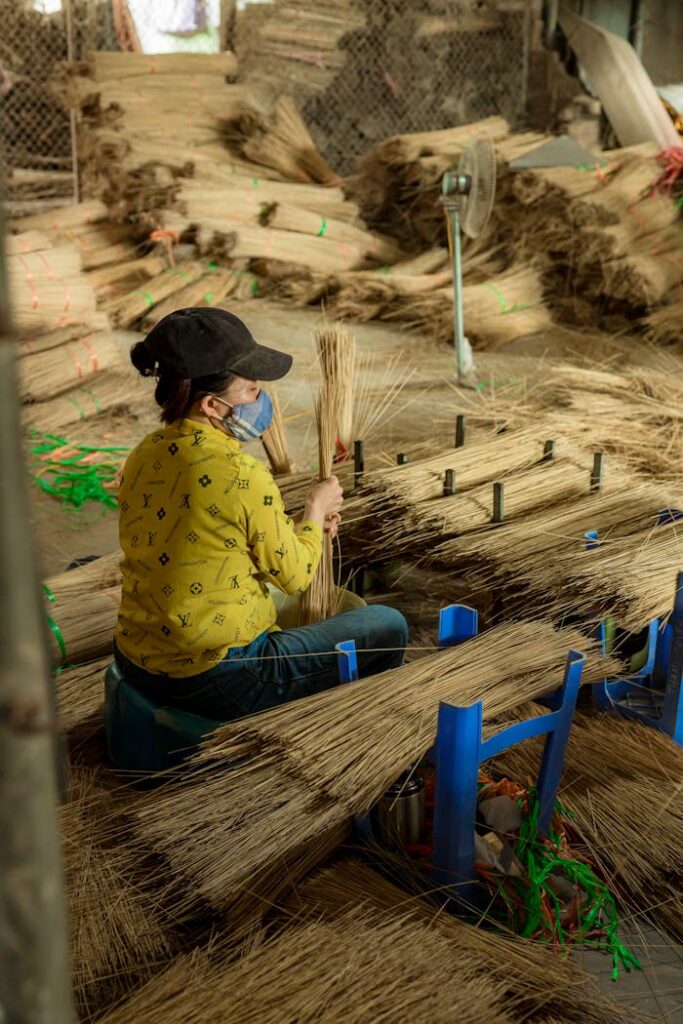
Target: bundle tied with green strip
x=317, y=761
x=74, y=637
x=76, y=473
x=107, y=392
x=211, y=289
x=126, y=310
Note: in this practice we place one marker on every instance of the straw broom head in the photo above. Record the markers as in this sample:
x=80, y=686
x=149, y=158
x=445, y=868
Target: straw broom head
x=275, y=441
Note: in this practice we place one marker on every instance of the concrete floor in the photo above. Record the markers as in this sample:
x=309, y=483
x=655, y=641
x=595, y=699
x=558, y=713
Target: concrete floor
x=426, y=409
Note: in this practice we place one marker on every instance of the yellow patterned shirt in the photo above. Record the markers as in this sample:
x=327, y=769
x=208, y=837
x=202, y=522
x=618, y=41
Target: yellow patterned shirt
x=202, y=526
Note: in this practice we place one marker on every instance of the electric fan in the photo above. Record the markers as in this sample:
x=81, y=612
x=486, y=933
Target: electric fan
x=468, y=195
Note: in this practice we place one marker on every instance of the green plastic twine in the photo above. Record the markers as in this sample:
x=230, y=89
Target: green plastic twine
x=56, y=631
x=323, y=228
x=503, y=307
x=147, y=297
x=73, y=481
x=598, y=912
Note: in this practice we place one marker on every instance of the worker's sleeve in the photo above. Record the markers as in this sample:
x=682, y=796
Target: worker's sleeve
x=286, y=556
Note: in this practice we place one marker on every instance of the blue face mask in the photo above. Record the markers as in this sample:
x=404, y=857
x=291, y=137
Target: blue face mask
x=249, y=421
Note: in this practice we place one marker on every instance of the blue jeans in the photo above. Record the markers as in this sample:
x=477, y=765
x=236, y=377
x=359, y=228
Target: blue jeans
x=282, y=666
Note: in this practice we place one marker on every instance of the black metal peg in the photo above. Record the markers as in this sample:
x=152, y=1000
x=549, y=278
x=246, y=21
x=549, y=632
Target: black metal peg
x=401, y=459
x=598, y=471
x=548, y=451
x=459, y=430
x=498, y=502
x=358, y=463
x=449, y=483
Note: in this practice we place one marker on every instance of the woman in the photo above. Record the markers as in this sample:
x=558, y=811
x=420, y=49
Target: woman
x=203, y=526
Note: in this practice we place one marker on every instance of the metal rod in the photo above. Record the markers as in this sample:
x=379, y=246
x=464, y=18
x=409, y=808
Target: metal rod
x=449, y=483
x=401, y=459
x=358, y=463
x=34, y=945
x=459, y=430
x=636, y=26
x=548, y=451
x=461, y=359
x=73, y=121
x=552, y=10
x=598, y=471
x=498, y=502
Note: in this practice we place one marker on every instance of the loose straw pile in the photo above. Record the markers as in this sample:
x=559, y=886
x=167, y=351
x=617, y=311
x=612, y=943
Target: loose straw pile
x=346, y=970
x=290, y=775
x=532, y=975
x=118, y=939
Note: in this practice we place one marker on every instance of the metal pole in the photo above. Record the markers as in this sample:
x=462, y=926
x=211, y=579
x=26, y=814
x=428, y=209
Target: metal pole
x=552, y=10
x=461, y=360
x=34, y=946
x=73, y=123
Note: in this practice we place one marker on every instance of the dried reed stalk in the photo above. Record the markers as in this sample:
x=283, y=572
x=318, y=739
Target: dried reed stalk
x=622, y=786
x=320, y=600
x=275, y=441
x=32, y=344
x=59, y=369
x=80, y=693
x=239, y=195
x=75, y=638
x=104, y=393
x=532, y=976
x=349, y=967
x=118, y=938
x=75, y=218
x=249, y=242
x=145, y=267
x=282, y=217
x=26, y=242
x=293, y=773
x=105, y=65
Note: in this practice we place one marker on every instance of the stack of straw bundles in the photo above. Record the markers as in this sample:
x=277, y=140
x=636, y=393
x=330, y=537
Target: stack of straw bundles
x=75, y=638
x=342, y=970
x=47, y=288
x=75, y=218
x=67, y=366
x=533, y=976
x=106, y=392
x=239, y=200
x=107, y=66
x=118, y=937
x=211, y=289
x=622, y=788
x=124, y=311
x=317, y=761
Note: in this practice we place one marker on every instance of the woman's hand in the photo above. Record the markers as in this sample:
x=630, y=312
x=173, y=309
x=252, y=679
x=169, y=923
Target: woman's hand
x=325, y=498
x=331, y=526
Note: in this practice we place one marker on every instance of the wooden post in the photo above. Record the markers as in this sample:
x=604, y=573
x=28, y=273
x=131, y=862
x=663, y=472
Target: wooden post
x=226, y=31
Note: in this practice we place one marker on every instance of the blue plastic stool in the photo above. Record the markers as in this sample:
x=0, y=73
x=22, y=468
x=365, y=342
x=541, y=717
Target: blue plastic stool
x=144, y=736
x=460, y=750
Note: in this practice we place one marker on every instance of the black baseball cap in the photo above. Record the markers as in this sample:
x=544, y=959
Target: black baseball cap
x=198, y=341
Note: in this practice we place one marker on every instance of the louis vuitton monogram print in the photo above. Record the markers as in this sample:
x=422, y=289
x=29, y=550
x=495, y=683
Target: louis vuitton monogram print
x=201, y=526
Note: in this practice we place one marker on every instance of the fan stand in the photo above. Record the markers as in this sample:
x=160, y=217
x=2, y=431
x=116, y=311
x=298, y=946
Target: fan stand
x=454, y=186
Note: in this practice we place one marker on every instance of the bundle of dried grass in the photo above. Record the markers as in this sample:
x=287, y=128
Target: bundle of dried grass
x=249, y=242
x=280, y=141
x=144, y=267
x=106, y=392
x=348, y=966
x=275, y=441
x=118, y=938
x=209, y=290
x=319, y=601
x=32, y=344
x=534, y=978
x=108, y=65
x=243, y=199
x=47, y=287
x=80, y=696
x=75, y=638
x=126, y=310
x=58, y=369
x=664, y=326
x=281, y=217
x=292, y=774
x=75, y=217
x=622, y=788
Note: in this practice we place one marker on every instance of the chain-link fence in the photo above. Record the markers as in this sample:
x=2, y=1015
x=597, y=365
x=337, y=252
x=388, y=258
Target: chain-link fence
x=36, y=132
x=362, y=70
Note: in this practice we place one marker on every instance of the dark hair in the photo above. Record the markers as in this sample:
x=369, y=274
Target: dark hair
x=176, y=395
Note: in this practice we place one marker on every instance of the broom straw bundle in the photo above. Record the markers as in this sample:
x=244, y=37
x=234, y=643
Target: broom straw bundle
x=27, y=242
x=275, y=441
x=320, y=600
x=292, y=774
x=32, y=344
x=532, y=975
x=282, y=217
x=210, y=290
x=59, y=369
x=105, y=65
x=126, y=310
x=80, y=694
x=74, y=218
x=349, y=966
x=239, y=191
x=144, y=267
x=75, y=638
x=105, y=393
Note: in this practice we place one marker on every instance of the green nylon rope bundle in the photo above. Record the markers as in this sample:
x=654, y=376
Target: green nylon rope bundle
x=79, y=475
